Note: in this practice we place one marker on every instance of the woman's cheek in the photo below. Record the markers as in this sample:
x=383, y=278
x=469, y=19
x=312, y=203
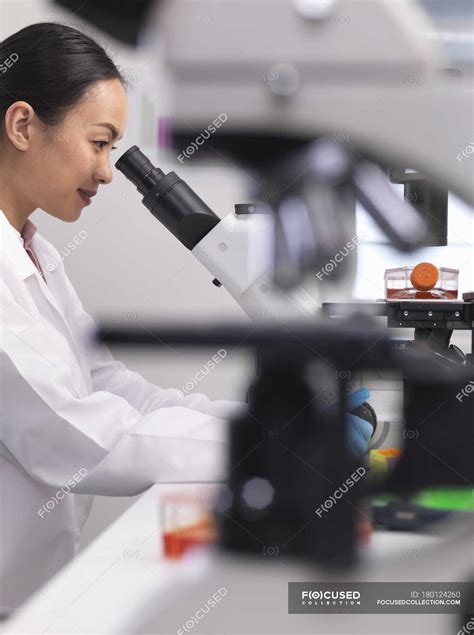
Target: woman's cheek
x=84, y=165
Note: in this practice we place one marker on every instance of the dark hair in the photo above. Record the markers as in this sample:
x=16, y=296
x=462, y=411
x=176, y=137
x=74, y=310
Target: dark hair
x=51, y=66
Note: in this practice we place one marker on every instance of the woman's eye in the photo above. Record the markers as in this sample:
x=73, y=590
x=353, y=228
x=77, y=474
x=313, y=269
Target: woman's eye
x=101, y=144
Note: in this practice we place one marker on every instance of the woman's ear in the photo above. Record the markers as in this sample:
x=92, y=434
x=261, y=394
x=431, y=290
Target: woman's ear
x=19, y=119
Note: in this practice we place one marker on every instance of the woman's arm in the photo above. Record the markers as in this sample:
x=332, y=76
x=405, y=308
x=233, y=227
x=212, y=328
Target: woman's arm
x=52, y=433
x=113, y=376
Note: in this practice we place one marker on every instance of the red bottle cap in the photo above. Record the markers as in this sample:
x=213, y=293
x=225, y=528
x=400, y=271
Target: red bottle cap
x=424, y=276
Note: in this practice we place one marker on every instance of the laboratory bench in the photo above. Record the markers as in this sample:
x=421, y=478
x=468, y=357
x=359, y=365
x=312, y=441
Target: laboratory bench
x=121, y=583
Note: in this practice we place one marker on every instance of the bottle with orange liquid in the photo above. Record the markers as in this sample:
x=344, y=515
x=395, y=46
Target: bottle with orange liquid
x=187, y=522
x=424, y=281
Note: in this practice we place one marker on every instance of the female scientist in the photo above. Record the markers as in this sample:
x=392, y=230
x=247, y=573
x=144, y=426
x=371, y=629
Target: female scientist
x=74, y=422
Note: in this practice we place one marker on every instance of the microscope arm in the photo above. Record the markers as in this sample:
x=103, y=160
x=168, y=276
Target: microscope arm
x=237, y=252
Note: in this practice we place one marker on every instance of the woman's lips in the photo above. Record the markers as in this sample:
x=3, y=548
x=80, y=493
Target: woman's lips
x=86, y=196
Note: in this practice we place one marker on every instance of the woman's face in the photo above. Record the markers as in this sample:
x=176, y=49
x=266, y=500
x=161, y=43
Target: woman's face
x=67, y=163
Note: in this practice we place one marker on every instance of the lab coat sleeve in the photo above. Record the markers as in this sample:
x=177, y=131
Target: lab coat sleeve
x=112, y=375
x=55, y=435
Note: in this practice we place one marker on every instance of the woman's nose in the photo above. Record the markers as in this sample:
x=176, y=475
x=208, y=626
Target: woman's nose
x=104, y=172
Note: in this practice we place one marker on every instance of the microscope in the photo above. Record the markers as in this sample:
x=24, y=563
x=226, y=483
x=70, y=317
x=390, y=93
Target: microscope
x=235, y=249
x=281, y=392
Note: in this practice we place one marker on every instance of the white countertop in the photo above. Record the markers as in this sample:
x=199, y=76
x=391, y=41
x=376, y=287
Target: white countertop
x=121, y=582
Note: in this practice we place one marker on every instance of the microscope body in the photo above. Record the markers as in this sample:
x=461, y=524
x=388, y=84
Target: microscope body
x=237, y=250
x=238, y=253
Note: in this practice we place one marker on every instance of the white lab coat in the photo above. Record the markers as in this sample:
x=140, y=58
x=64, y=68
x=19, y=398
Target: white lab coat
x=74, y=419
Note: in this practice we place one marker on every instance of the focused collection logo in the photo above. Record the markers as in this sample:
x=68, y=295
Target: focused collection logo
x=330, y=598
x=379, y=597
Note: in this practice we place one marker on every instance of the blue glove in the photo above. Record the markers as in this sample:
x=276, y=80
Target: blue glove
x=360, y=430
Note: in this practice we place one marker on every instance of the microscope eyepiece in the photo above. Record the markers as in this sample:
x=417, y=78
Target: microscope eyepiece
x=136, y=166
x=168, y=198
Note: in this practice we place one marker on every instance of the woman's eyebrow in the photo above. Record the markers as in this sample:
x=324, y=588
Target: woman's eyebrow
x=112, y=129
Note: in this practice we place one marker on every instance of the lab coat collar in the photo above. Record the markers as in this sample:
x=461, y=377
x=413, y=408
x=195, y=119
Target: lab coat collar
x=13, y=246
